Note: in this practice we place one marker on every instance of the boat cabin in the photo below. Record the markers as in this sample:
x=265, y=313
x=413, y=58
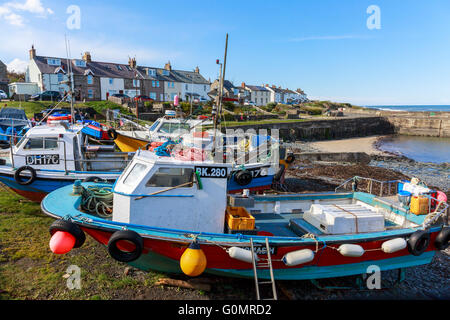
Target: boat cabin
x=64, y=148
x=168, y=193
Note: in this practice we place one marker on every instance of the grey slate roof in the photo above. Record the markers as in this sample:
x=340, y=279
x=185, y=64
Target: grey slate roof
x=111, y=70
x=256, y=88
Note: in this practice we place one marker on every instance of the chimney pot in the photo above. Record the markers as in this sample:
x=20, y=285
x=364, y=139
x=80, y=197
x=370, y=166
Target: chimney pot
x=87, y=57
x=32, y=52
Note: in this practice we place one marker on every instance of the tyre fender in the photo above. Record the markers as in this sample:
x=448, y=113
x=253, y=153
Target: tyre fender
x=70, y=227
x=442, y=240
x=125, y=235
x=112, y=133
x=243, y=177
x=418, y=242
x=18, y=178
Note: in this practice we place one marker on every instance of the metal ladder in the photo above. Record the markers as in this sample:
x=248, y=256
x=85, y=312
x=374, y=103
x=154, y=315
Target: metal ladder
x=263, y=265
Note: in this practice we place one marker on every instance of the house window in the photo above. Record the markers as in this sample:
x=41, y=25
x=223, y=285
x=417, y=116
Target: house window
x=111, y=81
x=186, y=87
x=135, y=83
x=151, y=72
x=171, y=177
x=153, y=95
x=90, y=94
x=54, y=62
x=80, y=63
x=161, y=97
x=60, y=77
x=90, y=79
x=157, y=84
x=153, y=83
x=165, y=72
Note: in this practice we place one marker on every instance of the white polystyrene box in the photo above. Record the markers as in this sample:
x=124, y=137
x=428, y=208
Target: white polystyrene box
x=332, y=219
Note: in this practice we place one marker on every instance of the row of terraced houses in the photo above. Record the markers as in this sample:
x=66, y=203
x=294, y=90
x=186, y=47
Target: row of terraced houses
x=95, y=80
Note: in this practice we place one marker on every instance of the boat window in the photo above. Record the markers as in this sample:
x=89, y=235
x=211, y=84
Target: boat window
x=41, y=143
x=135, y=173
x=172, y=127
x=153, y=127
x=171, y=177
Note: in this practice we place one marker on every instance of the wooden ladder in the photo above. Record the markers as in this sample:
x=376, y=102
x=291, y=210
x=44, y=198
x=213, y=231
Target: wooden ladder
x=257, y=265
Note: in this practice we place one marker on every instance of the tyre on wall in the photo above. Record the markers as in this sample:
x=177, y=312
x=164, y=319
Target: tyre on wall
x=30, y=180
x=442, y=240
x=243, y=177
x=290, y=158
x=418, y=242
x=132, y=239
x=70, y=227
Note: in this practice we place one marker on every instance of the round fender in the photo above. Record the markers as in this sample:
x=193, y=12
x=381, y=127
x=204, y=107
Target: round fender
x=418, y=242
x=443, y=238
x=70, y=227
x=18, y=178
x=243, y=177
x=125, y=236
x=112, y=133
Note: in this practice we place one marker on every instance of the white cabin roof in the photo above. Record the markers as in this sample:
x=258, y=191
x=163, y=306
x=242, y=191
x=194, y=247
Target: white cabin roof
x=53, y=130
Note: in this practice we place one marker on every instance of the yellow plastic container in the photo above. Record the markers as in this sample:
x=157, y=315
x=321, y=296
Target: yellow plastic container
x=238, y=218
x=419, y=205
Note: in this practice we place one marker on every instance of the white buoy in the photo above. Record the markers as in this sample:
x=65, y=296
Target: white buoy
x=351, y=250
x=295, y=258
x=241, y=254
x=394, y=245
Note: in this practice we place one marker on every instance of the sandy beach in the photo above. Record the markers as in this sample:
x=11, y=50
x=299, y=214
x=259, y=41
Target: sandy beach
x=366, y=144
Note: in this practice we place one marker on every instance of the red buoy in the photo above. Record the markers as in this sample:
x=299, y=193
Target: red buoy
x=61, y=242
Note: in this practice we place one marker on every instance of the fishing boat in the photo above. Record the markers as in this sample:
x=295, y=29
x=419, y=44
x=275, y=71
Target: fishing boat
x=175, y=216
x=54, y=155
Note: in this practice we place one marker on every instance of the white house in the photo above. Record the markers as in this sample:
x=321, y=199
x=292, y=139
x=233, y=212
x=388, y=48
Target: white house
x=259, y=95
x=110, y=86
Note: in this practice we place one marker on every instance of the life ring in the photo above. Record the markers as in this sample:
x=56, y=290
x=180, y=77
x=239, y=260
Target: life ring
x=243, y=177
x=290, y=158
x=92, y=179
x=112, y=133
x=418, y=242
x=70, y=227
x=26, y=182
x=442, y=240
x=60, y=117
x=125, y=235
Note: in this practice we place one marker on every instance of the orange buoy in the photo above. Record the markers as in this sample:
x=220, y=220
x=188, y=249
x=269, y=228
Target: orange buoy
x=61, y=242
x=193, y=261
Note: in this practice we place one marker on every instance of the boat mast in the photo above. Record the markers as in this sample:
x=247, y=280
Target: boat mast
x=221, y=80
x=70, y=81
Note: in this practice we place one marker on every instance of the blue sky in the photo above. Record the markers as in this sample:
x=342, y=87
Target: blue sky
x=322, y=46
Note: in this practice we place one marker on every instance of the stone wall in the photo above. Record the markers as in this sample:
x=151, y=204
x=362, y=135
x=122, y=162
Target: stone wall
x=328, y=129
x=429, y=126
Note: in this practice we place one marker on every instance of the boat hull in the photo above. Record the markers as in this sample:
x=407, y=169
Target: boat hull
x=164, y=256
x=129, y=144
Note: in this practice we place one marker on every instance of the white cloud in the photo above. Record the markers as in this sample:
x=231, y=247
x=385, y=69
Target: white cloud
x=17, y=65
x=8, y=11
x=14, y=19
x=33, y=6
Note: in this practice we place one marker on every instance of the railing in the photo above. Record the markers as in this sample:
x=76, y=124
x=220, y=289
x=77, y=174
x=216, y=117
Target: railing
x=441, y=209
x=384, y=188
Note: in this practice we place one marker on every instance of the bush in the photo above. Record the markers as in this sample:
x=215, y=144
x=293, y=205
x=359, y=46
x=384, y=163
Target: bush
x=312, y=110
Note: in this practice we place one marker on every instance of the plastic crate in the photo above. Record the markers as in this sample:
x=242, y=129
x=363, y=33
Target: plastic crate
x=238, y=218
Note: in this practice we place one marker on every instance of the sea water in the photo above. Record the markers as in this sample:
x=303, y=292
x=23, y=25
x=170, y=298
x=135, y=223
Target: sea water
x=421, y=149
x=418, y=108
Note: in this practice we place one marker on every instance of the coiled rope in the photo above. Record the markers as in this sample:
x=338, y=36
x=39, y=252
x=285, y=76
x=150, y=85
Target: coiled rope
x=98, y=200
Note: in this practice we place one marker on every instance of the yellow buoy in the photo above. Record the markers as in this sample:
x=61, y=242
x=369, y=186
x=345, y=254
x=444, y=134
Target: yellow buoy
x=193, y=260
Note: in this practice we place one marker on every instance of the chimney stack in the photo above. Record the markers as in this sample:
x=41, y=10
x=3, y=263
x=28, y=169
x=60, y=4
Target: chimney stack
x=87, y=57
x=132, y=63
x=167, y=66
x=32, y=52
x=243, y=84
x=197, y=70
